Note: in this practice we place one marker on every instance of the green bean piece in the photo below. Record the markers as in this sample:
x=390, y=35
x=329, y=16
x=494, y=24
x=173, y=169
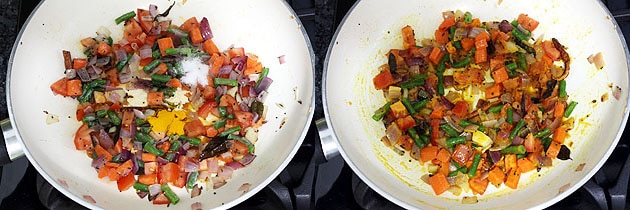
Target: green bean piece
x=412, y=83
x=192, y=179
x=175, y=145
x=543, y=133
x=457, y=44
x=510, y=115
x=468, y=17
x=514, y=149
x=511, y=66
x=250, y=146
x=562, y=89
x=440, y=84
x=570, y=108
x=462, y=63
x=263, y=74
x=229, y=131
x=451, y=142
x=465, y=123
x=522, y=62
x=125, y=17
x=143, y=137
x=160, y=79
x=222, y=111
x=113, y=117
x=141, y=187
x=475, y=164
x=416, y=138
x=381, y=112
x=176, y=31
x=169, y=156
x=194, y=141
x=101, y=113
x=151, y=148
x=405, y=101
x=449, y=130
x=496, y=109
x=219, y=124
x=224, y=81
x=420, y=104
x=178, y=51
x=546, y=142
x=517, y=128
x=451, y=32
x=151, y=65
x=170, y=194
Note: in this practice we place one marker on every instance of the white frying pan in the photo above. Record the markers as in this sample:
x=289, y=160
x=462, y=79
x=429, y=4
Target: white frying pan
x=372, y=27
x=268, y=28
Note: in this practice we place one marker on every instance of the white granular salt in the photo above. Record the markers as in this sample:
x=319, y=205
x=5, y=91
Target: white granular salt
x=195, y=72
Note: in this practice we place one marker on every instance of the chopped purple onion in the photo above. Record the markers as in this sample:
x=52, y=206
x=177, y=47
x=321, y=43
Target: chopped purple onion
x=99, y=162
x=495, y=155
x=83, y=75
x=92, y=60
x=262, y=96
x=505, y=26
x=255, y=118
x=446, y=103
x=141, y=194
x=226, y=69
x=517, y=140
x=240, y=62
x=153, y=10
x=161, y=160
x=121, y=54
x=134, y=166
x=155, y=189
x=191, y=166
x=71, y=73
x=415, y=61
x=155, y=30
x=125, y=155
x=234, y=165
x=264, y=84
x=204, y=28
x=104, y=140
x=145, y=52
x=247, y=159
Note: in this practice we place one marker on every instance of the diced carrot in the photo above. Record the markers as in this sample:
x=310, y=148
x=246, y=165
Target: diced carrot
x=211, y=131
x=512, y=178
x=112, y=76
x=132, y=30
x=165, y=43
x=103, y=49
x=547, y=60
x=428, y=153
x=161, y=68
x=124, y=168
x=74, y=87
x=189, y=24
x=559, y=135
x=444, y=167
x=406, y=123
x=447, y=23
x=437, y=113
x=461, y=109
x=102, y=151
x=478, y=185
x=558, y=110
x=210, y=47
x=496, y=176
x=78, y=63
x=118, y=146
x=147, y=179
x=383, y=79
x=436, y=55
x=174, y=83
x=125, y=182
x=443, y=155
x=148, y=157
x=439, y=183
x=550, y=50
x=399, y=110
x=150, y=39
x=253, y=66
x=500, y=75
x=112, y=175
x=103, y=171
x=527, y=22
x=525, y=165
x=510, y=162
x=493, y=91
x=441, y=36
x=235, y=52
x=511, y=84
x=481, y=43
x=467, y=43
x=475, y=22
x=216, y=60
x=195, y=35
x=165, y=146
x=409, y=40
x=481, y=55
x=155, y=98
x=145, y=61
x=482, y=36
x=405, y=142
x=60, y=87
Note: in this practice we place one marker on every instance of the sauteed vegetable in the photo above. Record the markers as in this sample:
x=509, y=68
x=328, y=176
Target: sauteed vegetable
x=163, y=107
x=480, y=103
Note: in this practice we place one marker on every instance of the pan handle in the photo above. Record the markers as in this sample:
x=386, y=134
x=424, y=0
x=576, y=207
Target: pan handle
x=327, y=139
x=10, y=148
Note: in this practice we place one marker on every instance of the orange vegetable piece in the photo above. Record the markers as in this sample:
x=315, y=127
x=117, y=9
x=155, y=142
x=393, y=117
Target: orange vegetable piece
x=82, y=138
x=510, y=162
x=74, y=87
x=500, y=75
x=189, y=24
x=405, y=142
x=161, y=68
x=155, y=98
x=383, y=79
x=148, y=157
x=125, y=182
x=527, y=22
x=511, y=84
x=78, y=63
x=112, y=76
x=559, y=135
x=444, y=168
x=174, y=83
x=165, y=43
x=103, y=48
x=512, y=178
x=195, y=35
x=103, y=172
x=496, y=176
x=550, y=50
x=525, y=165
x=147, y=179
x=253, y=66
x=216, y=62
x=406, y=123
x=437, y=113
x=100, y=151
x=482, y=36
x=478, y=185
x=553, y=150
x=461, y=109
x=211, y=132
x=481, y=55
x=443, y=155
x=124, y=168
x=60, y=87
x=436, y=55
x=439, y=183
x=409, y=40
x=398, y=110
x=441, y=36
x=493, y=91
x=210, y=47
x=467, y=43
x=447, y=23
x=428, y=153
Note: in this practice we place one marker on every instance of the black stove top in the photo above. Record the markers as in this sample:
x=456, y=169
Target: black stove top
x=309, y=181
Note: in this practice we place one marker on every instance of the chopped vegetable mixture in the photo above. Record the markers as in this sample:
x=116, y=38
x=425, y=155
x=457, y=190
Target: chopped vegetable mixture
x=480, y=103
x=163, y=107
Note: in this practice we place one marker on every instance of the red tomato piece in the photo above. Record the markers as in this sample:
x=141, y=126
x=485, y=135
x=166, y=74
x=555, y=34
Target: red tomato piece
x=82, y=139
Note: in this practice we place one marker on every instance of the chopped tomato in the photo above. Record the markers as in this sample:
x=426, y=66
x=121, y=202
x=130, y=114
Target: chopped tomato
x=125, y=182
x=205, y=109
x=245, y=119
x=194, y=128
x=83, y=139
x=161, y=199
x=60, y=87
x=169, y=172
